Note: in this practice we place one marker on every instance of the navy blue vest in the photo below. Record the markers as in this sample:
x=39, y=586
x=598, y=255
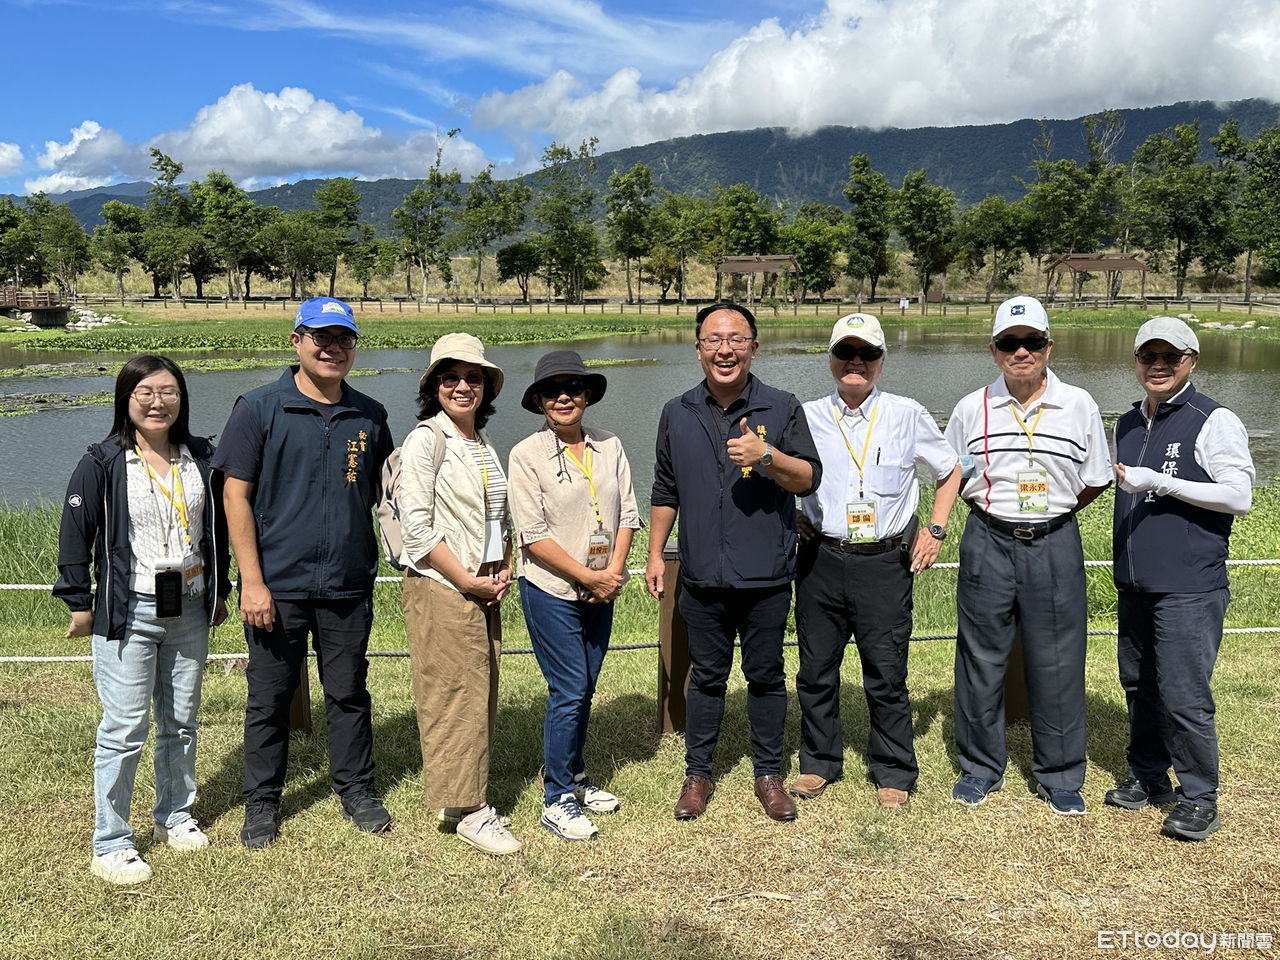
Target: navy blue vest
x=1163, y=544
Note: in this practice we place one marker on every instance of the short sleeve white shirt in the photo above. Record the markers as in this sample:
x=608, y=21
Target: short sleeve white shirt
x=903, y=438
x=1066, y=441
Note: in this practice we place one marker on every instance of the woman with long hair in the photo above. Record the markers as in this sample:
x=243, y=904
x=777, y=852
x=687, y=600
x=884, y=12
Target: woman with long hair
x=143, y=521
x=457, y=563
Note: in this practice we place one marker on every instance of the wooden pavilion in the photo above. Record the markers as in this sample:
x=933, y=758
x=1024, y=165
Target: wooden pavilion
x=767, y=263
x=1081, y=263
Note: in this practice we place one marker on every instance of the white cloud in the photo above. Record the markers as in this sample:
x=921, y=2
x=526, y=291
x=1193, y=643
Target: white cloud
x=911, y=63
x=257, y=138
x=10, y=159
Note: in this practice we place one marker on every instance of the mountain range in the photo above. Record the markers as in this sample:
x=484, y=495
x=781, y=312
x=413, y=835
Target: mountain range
x=973, y=161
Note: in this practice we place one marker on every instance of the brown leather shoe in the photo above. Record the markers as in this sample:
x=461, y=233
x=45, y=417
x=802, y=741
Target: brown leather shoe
x=694, y=794
x=808, y=785
x=896, y=801
x=777, y=805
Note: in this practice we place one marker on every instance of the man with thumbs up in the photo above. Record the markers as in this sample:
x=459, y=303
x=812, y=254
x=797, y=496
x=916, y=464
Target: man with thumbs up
x=732, y=455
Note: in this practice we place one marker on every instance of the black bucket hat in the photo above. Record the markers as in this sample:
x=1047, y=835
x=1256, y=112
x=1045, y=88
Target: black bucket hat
x=562, y=363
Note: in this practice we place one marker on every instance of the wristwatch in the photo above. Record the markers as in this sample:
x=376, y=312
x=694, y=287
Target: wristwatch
x=937, y=531
x=767, y=459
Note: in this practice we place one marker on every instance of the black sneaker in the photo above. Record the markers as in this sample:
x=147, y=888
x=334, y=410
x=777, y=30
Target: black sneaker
x=1191, y=821
x=366, y=812
x=1133, y=794
x=261, y=823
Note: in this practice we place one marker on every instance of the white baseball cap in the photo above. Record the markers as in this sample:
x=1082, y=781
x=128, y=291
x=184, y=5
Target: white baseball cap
x=1020, y=312
x=1171, y=329
x=861, y=325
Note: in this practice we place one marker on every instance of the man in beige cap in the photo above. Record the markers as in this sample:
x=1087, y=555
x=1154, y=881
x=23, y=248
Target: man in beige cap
x=1185, y=471
x=861, y=549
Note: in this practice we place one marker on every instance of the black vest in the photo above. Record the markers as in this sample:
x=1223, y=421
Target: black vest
x=1163, y=544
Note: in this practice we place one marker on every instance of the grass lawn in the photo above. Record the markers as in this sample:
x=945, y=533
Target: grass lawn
x=1005, y=880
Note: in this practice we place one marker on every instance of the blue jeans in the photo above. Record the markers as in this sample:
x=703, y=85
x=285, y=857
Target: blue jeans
x=160, y=661
x=570, y=639
x=1167, y=649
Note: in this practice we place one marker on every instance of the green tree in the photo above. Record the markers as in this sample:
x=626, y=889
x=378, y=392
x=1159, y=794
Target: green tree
x=422, y=222
x=662, y=267
x=744, y=224
x=338, y=203
x=19, y=257
x=629, y=222
x=299, y=247
x=228, y=223
x=924, y=215
x=867, y=255
x=684, y=224
x=571, y=261
x=991, y=236
x=814, y=238
x=493, y=209
x=1255, y=199
x=368, y=257
x=62, y=247
x=519, y=261
x=170, y=235
x=117, y=241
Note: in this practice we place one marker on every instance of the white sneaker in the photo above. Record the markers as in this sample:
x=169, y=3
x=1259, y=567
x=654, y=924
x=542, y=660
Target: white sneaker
x=483, y=829
x=121, y=866
x=185, y=836
x=593, y=798
x=566, y=819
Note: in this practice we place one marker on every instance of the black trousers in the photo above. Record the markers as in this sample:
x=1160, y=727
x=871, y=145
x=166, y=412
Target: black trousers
x=1036, y=587
x=715, y=617
x=340, y=631
x=870, y=598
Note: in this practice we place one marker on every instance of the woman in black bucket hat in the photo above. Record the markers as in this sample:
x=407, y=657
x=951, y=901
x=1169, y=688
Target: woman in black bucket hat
x=575, y=514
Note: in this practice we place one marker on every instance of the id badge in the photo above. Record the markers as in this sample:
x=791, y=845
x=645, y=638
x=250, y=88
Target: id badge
x=495, y=543
x=1033, y=491
x=598, y=550
x=860, y=518
x=192, y=575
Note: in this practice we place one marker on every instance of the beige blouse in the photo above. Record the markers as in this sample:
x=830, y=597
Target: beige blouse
x=551, y=500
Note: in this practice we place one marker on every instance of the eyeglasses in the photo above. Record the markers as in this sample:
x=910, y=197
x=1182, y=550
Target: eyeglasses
x=738, y=343
x=1034, y=343
x=847, y=351
x=1148, y=357
x=145, y=395
x=451, y=380
x=324, y=339
x=553, y=390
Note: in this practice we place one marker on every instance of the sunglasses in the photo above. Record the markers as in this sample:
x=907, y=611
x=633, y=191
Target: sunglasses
x=847, y=351
x=1148, y=357
x=324, y=339
x=1034, y=343
x=451, y=380
x=553, y=390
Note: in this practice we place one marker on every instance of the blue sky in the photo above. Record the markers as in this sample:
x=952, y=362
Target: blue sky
x=274, y=90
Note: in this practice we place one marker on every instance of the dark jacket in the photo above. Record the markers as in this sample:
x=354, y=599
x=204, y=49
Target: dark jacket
x=315, y=484
x=735, y=530
x=94, y=533
x=1163, y=544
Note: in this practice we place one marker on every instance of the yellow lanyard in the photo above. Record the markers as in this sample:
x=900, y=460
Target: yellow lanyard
x=483, y=459
x=866, y=441
x=1031, y=434
x=591, y=485
x=180, y=504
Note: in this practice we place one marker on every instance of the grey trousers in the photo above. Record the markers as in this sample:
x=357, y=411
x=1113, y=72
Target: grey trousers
x=1036, y=587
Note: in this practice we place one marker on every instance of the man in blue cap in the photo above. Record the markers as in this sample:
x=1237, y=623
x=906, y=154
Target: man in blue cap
x=1185, y=471
x=303, y=459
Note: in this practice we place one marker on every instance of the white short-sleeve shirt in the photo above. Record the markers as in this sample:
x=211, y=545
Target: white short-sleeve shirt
x=903, y=438
x=1068, y=443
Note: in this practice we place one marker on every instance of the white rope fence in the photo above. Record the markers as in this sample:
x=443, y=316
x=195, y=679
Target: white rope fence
x=620, y=646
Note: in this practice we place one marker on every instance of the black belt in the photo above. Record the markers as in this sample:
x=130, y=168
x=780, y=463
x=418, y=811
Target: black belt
x=1022, y=530
x=868, y=548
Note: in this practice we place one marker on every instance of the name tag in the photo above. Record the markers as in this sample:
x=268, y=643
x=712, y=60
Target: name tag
x=495, y=542
x=1033, y=491
x=860, y=520
x=598, y=550
x=192, y=575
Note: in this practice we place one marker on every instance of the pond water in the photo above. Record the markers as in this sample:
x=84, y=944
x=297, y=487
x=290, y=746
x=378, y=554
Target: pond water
x=934, y=365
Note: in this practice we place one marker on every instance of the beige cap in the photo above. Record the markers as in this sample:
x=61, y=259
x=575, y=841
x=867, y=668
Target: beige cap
x=1172, y=329
x=461, y=346
x=861, y=325
x=1020, y=312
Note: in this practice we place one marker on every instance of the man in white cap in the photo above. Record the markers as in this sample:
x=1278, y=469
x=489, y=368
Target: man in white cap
x=1040, y=455
x=862, y=547
x=1185, y=471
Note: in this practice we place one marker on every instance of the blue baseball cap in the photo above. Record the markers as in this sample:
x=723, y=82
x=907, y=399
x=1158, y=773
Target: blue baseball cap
x=324, y=312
